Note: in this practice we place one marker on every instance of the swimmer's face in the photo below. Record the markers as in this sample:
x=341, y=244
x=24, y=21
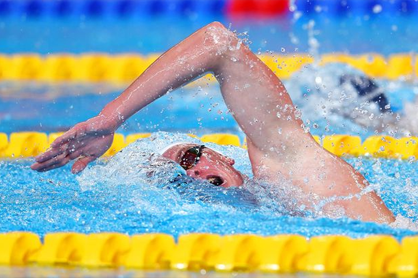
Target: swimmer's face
x=211, y=166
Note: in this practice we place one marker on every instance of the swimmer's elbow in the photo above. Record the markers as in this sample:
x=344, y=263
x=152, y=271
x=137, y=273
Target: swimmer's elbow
x=218, y=37
x=216, y=25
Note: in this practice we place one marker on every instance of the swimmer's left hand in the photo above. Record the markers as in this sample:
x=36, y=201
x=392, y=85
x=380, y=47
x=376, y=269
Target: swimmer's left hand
x=86, y=141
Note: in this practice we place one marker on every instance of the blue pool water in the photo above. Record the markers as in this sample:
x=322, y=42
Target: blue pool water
x=355, y=34
x=201, y=109
x=118, y=197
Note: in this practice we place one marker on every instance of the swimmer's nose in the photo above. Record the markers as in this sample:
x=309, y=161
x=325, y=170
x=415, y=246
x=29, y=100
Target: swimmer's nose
x=230, y=161
x=194, y=173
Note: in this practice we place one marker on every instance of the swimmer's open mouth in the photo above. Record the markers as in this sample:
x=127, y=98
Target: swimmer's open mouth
x=215, y=180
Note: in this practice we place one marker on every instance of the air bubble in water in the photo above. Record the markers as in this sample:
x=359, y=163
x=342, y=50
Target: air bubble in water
x=377, y=9
x=292, y=6
x=283, y=49
x=297, y=15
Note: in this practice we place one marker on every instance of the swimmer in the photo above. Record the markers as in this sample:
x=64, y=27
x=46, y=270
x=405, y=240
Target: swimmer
x=374, y=111
x=278, y=145
x=368, y=90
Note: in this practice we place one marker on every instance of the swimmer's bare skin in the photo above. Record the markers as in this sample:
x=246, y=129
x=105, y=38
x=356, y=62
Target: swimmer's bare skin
x=278, y=146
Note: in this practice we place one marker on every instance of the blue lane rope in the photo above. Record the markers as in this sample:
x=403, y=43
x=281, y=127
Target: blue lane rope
x=36, y=9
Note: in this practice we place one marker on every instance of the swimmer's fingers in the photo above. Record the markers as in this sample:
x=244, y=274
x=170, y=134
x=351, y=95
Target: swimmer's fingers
x=57, y=165
x=51, y=153
x=76, y=154
x=65, y=138
x=77, y=132
x=82, y=163
x=68, y=143
x=55, y=162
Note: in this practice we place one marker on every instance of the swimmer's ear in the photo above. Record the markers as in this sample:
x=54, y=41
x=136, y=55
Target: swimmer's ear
x=81, y=164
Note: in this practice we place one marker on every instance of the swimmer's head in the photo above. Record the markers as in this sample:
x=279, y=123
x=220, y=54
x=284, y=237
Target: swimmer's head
x=201, y=162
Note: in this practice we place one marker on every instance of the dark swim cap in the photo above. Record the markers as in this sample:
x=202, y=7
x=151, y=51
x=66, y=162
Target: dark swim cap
x=367, y=88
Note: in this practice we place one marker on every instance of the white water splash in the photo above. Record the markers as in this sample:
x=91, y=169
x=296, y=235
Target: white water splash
x=141, y=163
x=317, y=90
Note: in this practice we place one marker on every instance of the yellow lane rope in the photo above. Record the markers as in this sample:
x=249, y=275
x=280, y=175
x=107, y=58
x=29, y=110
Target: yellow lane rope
x=377, y=256
x=29, y=144
x=124, y=68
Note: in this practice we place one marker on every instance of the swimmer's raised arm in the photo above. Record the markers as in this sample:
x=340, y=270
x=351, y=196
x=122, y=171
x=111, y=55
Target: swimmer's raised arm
x=255, y=98
x=211, y=49
x=278, y=145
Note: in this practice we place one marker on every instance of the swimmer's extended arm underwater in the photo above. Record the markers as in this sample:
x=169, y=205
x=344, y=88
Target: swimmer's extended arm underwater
x=278, y=145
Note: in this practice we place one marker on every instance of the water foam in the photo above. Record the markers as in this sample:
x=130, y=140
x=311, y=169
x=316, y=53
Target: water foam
x=160, y=186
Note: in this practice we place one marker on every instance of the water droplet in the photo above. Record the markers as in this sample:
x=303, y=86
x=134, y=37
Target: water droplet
x=297, y=15
x=377, y=9
x=292, y=6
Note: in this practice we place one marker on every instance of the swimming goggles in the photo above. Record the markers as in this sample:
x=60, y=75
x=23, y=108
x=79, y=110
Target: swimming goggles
x=191, y=157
